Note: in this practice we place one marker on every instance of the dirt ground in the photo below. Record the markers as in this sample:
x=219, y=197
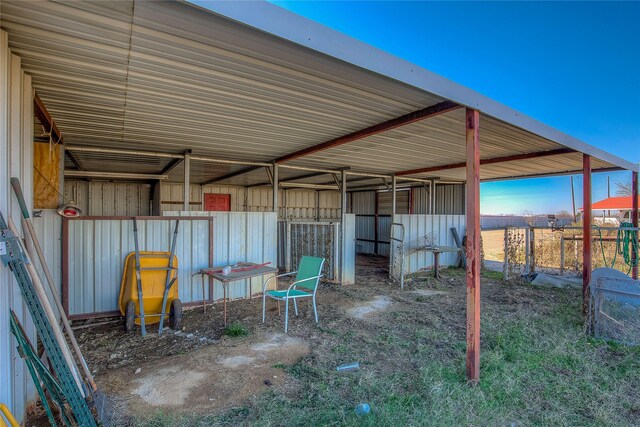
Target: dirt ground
x=203, y=377
x=201, y=370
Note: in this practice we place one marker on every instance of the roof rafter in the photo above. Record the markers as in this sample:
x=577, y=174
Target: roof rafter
x=511, y=158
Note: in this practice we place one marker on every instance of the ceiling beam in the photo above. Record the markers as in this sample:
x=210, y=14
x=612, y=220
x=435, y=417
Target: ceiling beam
x=547, y=174
x=174, y=163
x=511, y=158
x=45, y=119
x=113, y=175
x=231, y=175
x=74, y=160
x=425, y=113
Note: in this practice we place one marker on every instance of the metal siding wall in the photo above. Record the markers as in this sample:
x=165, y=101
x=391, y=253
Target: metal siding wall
x=48, y=227
x=329, y=205
x=97, y=250
x=300, y=204
x=16, y=159
x=364, y=203
x=421, y=200
x=101, y=198
x=450, y=199
x=402, y=202
x=349, y=269
x=384, y=234
x=419, y=225
x=238, y=237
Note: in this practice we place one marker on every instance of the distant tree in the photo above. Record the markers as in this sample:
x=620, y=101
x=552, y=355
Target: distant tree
x=564, y=214
x=623, y=188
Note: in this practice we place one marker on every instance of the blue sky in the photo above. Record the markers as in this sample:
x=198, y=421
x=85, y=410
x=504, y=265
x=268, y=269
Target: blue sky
x=573, y=65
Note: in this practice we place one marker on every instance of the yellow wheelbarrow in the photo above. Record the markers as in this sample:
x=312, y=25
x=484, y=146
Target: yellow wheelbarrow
x=149, y=285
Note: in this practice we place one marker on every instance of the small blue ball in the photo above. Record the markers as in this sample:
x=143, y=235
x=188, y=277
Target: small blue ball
x=363, y=409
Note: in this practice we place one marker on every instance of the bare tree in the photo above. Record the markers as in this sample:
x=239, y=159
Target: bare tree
x=623, y=188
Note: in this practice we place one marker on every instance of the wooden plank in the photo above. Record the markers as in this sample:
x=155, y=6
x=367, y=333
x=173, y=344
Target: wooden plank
x=586, y=231
x=425, y=113
x=473, y=245
x=494, y=160
x=46, y=176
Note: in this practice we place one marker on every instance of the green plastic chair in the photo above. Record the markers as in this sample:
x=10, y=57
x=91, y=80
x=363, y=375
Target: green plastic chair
x=305, y=286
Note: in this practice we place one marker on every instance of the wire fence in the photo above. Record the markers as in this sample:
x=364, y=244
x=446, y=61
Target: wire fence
x=533, y=249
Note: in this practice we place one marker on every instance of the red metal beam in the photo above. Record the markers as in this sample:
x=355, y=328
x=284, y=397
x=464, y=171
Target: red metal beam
x=473, y=245
x=425, y=113
x=586, y=230
x=634, y=220
x=511, y=158
x=46, y=120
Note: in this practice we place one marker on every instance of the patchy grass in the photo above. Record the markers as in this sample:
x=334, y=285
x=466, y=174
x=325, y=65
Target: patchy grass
x=235, y=330
x=493, y=275
x=537, y=366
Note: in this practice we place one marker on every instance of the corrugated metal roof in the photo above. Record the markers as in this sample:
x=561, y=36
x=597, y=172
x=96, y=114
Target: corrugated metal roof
x=170, y=76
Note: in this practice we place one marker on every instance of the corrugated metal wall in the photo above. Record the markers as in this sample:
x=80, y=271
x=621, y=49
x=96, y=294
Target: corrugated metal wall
x=48, y=228
x=105, y=198
x=98, y=249
x=241, y=237
x=292, y=203
x=450, y=199
x=16, y=159
x=417, y=226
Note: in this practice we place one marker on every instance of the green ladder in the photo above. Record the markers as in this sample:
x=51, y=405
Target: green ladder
x=13, y=256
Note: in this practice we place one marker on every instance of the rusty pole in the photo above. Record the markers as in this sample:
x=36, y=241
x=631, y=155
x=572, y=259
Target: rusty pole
x=634, y=220
x=473, y=245
x=586, y=231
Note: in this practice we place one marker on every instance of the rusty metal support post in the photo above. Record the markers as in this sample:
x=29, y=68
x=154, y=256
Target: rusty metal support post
x=473, y=245
x=586, y=231
x=634, y=222
x=343, y=224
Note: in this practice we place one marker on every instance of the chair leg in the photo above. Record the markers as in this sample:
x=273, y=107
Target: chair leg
x=295, y=306
x=315, y=311
x=264, y=304
x=286, y=315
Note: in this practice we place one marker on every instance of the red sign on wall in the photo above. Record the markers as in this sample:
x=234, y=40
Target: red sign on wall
x=217, y=202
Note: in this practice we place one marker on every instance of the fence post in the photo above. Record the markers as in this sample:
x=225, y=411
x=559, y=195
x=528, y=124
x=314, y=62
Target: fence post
x=527, y=247
x=561, y=254
x=506, y=253
x=532, y=250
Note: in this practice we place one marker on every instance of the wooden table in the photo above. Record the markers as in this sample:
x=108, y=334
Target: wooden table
x=216, y=274
x=437, y=250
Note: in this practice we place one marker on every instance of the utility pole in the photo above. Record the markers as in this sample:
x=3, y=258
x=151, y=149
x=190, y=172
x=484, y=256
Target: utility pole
x=573, y=200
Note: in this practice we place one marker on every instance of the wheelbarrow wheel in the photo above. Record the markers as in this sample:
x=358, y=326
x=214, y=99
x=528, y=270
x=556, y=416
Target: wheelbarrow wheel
x=175, y=315
x=129, y=316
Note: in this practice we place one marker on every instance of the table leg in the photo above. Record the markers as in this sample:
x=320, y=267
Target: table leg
x=436, y=265
x=224, y=289
x=204, y=300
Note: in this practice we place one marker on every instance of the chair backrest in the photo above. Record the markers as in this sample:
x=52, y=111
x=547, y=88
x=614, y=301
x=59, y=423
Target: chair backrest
x=309, y=267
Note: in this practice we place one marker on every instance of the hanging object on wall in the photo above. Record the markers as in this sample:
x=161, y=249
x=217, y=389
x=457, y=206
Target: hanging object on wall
x=69, y=210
